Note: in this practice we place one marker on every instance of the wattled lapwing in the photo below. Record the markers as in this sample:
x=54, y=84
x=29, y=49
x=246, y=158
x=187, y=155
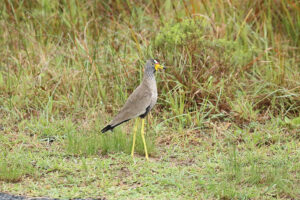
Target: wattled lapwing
x=139, y=103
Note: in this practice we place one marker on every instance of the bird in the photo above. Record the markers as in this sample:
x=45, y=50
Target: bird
x=139, y=103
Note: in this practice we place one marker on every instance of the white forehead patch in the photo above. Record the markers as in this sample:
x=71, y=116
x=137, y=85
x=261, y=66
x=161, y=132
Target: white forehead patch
x=155, y=61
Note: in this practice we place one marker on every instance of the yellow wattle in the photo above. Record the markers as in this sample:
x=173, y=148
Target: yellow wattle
x=158, y=66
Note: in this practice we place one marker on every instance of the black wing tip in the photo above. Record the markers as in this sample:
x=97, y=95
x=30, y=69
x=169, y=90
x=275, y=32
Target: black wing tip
x=106, y=128
x=110, y=127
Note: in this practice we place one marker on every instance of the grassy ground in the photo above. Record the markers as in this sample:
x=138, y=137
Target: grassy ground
x=227, y=122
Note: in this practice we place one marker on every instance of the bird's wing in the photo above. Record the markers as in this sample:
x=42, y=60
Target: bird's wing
x=135, y=105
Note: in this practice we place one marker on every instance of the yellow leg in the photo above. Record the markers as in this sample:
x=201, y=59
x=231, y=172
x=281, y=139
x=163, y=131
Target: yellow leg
x=134, y=136
x=143, y=137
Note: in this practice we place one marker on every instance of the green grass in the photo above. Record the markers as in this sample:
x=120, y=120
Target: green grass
x=80, y=143
x=226, y=125
x=15, y=165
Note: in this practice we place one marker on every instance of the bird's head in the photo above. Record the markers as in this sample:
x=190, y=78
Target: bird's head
x=153, y=65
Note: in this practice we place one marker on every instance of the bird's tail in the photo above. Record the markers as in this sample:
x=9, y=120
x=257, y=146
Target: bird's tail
x=107, y=128
x=111, y=127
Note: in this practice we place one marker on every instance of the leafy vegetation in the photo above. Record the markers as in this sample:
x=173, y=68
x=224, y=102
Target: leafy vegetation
x=227, y=121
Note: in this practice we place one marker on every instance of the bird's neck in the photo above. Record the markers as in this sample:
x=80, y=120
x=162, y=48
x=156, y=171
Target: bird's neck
x=149, y=75
x=150, y=82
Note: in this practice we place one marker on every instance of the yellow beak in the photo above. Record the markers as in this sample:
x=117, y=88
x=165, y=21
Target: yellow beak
x=157, y=66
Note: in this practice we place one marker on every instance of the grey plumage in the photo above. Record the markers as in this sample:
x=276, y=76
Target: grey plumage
x=141, y=101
